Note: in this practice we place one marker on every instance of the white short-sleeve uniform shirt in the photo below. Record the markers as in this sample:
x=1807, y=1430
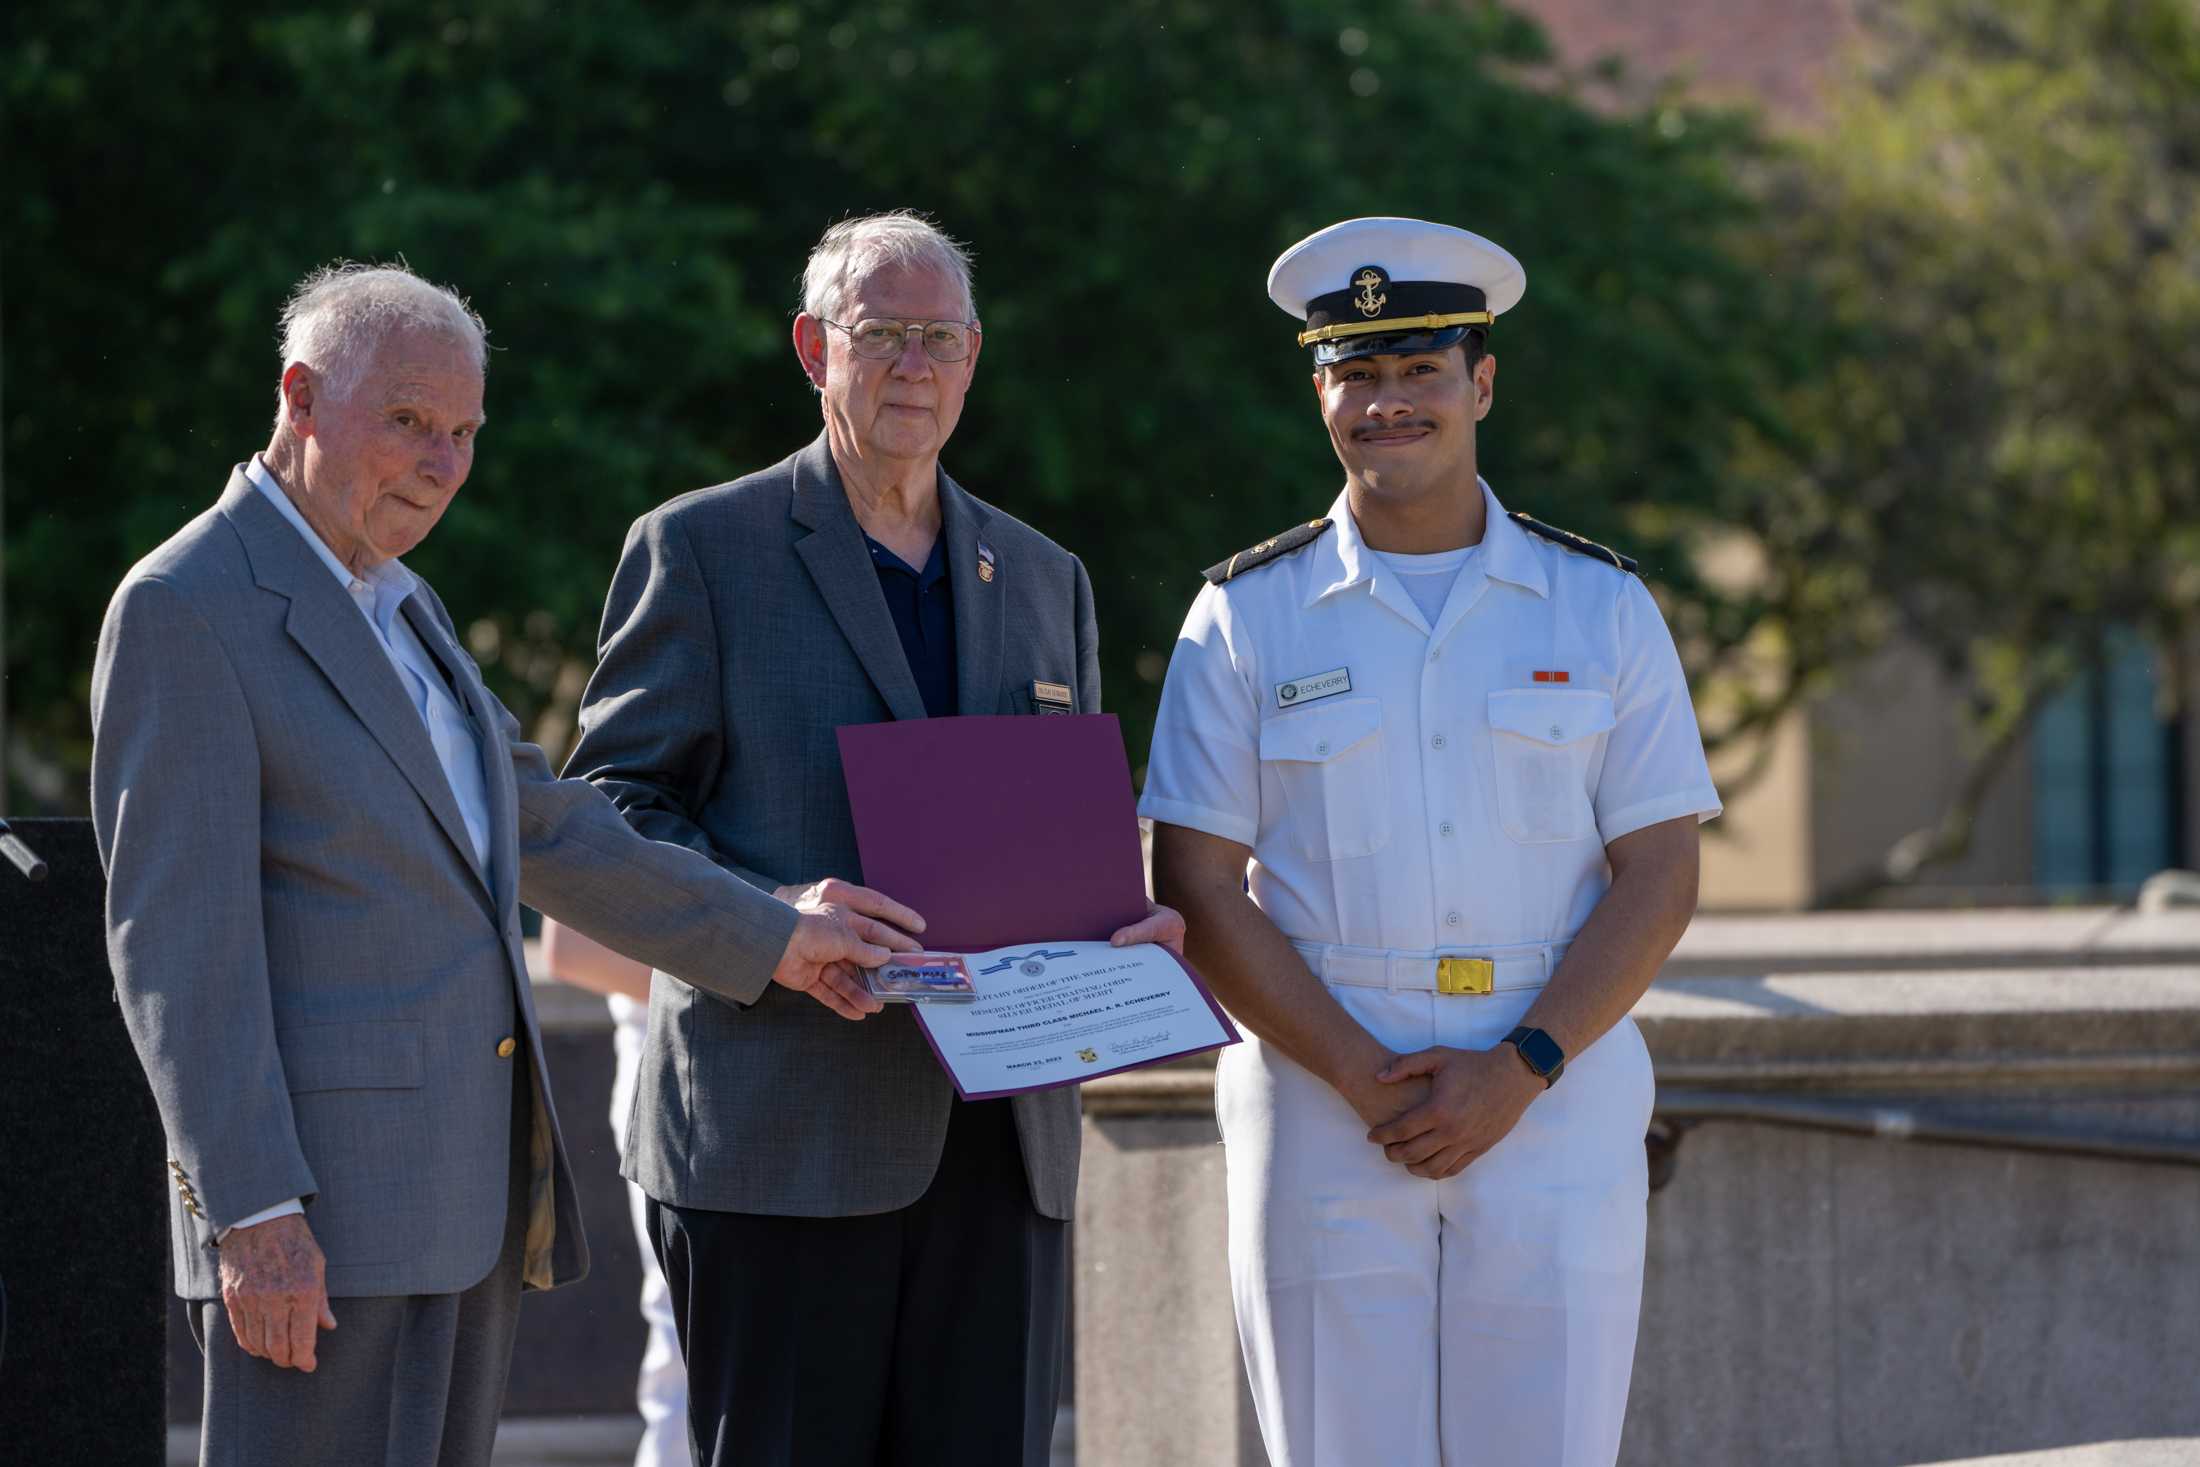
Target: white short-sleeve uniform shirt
x=1427, y=788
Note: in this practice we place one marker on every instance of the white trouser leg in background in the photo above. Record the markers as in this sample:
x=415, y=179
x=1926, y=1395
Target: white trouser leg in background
x=1483, y=1321
x=660, y=1389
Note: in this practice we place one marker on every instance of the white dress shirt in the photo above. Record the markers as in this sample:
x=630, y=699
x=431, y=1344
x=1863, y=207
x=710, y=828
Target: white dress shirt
x=380, y=596
x=1422, y=789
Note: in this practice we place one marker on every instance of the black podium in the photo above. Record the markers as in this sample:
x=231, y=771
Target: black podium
x=83, y=1208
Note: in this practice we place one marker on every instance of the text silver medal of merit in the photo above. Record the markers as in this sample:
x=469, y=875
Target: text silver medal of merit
x=1307, y=689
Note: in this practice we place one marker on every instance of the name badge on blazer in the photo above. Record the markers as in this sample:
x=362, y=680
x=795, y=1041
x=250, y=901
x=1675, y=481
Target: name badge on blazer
x=1051, y=697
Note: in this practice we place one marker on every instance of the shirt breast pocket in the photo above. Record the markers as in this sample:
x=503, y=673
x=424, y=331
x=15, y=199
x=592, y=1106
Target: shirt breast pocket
x=1328, y=759
x=1543, y=741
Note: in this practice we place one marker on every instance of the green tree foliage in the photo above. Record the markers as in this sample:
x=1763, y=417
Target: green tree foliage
x=2004, y=212
x=627, y=191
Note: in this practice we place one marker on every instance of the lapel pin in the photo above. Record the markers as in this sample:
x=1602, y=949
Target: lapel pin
x=985, y=561
x=1553, y=677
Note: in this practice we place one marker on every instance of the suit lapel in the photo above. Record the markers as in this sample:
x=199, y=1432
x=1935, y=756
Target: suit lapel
x=329, y=629
x=979, y=619
x=847, y=580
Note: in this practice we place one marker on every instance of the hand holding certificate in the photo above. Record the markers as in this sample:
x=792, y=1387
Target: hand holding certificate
x=1017, y=839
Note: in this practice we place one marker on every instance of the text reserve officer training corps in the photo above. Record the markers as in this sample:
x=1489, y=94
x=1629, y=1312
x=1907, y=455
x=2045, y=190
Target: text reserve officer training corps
x=1426, y=782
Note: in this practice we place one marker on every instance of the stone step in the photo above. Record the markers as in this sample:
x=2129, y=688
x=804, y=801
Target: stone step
x=1727, y=945
x=2161, y=1451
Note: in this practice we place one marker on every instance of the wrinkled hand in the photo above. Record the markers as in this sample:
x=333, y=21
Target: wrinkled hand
x=273, y=1291
x=1476, y=1097
x=875, y=910
x=1164, y=925
x=843, y=927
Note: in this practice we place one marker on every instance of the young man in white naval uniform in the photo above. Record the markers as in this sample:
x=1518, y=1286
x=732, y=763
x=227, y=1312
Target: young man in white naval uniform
x=1426, y=782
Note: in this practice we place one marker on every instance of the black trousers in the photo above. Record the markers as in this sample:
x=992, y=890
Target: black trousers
x=928, y=1336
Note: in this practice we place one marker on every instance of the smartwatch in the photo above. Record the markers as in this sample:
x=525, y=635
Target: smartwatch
x=1539, y=1052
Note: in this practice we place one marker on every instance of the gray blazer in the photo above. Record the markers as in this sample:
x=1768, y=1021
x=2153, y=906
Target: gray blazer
x=745, y=625
x=315, y=972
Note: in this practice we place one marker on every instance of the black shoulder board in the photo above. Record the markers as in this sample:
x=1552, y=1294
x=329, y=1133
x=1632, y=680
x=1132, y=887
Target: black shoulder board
x=1577, y=544
x=1267, y=550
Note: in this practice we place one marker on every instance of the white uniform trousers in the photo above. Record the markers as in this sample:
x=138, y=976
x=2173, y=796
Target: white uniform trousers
x=1483, y=1321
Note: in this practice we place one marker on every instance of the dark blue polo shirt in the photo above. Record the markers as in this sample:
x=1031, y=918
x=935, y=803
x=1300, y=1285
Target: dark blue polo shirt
x=922, y=604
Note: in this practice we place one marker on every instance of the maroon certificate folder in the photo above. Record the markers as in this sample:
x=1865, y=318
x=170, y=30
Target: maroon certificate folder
x=998, y=830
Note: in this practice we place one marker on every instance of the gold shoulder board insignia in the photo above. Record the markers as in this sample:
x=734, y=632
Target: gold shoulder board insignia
x=1275, y=547
x=1577, y=543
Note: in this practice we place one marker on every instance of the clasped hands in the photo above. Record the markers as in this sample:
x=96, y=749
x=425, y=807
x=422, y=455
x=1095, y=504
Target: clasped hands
x=845, y=928
x=1436, y=1110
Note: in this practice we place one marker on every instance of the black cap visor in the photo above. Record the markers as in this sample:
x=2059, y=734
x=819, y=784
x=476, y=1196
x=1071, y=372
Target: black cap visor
x=1397, y=343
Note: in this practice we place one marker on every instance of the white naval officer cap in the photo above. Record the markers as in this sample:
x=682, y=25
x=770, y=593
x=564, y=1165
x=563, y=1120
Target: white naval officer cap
x=1367, y=287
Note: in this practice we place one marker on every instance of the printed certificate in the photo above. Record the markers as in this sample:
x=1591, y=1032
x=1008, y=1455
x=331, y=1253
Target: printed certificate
x=1060, y=1013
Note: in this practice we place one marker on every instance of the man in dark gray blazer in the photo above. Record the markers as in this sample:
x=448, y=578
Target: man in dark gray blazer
x=864, y=1268
x=317, y=826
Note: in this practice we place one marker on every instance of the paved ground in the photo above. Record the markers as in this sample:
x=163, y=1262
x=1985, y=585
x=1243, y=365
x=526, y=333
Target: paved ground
x=2181, y=1451
x=608, y=1441
x=583, y=1441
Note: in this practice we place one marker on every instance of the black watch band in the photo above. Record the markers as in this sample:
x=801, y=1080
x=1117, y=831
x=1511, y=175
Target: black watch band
x=1539, y=1052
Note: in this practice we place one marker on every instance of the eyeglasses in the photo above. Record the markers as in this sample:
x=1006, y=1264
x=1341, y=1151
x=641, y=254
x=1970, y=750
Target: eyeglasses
x=879, y=337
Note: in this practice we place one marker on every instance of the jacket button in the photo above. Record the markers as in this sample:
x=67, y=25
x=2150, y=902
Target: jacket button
x=506, y=1047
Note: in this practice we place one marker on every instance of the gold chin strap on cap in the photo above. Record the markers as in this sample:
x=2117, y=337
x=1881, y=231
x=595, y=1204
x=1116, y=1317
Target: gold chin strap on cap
x=1394, y=326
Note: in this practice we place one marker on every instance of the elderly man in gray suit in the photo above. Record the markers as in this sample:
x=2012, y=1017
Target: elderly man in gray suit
x=864, y=1269
x=318, y=825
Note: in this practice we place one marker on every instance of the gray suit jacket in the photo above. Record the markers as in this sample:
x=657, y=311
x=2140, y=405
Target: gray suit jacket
x=745, y=625
x=314, y=970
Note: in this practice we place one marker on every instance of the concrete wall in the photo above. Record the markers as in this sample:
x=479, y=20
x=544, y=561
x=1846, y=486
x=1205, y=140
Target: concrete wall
x=1158, y=1376
x=1858, y=1301
x=1815, y=1299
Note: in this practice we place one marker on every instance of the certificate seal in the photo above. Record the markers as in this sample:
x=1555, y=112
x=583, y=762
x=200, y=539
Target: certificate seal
x=1031, y=968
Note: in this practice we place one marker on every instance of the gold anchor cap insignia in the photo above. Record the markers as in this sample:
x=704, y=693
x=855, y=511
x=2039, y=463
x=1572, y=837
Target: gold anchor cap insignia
x=1370, y=279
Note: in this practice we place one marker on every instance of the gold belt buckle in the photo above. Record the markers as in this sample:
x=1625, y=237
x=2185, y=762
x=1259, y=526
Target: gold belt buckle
x=1465, y=975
